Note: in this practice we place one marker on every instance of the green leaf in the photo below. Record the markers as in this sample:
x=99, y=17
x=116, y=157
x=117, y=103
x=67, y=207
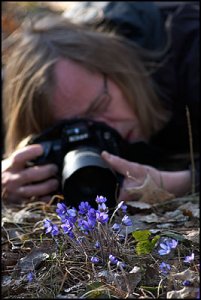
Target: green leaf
x=155, y=239
x=144, y=247
x=141, y=235
x=145, y=244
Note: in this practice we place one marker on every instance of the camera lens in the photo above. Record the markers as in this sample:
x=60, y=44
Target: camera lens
x=86, y=175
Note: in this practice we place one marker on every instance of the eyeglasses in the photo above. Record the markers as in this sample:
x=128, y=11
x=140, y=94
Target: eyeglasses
x=101, y=102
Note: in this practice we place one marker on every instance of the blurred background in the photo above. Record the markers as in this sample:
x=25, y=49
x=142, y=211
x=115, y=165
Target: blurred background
x=13, y=14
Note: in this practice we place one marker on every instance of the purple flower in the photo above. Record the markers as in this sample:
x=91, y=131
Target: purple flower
x=72, y=212
x=97, y=245
x=61, y=211
x=102, y=207
x=71, y=215
x=165, y=249
x=173, y=243
x=91, y=213
x=94, y=259
x=86, y=225
x=190, y=258
x=165, y=268
x=50, y=227
x=121, y=264
x=126, y=221
x=167, y=245
x=124, y=208
x=67, y=228
x=102, y=217
x=100, y=199
x=113, y=259
x=84, y=207
x=55, y=229
x=30, y=276
x=186, y=283
x=116, y=227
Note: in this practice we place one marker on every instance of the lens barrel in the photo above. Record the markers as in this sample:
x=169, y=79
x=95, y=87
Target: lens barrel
x=86, y=175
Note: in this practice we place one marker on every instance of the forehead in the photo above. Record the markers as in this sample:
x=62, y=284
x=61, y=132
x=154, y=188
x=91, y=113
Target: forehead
x=75, y=86
x=71, y=75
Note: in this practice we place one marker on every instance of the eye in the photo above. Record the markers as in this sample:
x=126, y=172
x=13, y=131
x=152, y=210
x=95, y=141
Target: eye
x=99, y=105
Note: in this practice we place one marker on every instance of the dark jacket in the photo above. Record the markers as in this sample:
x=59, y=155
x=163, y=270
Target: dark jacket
x=174, y=27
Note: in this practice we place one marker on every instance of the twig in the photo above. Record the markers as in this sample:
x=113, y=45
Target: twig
x=191, y=149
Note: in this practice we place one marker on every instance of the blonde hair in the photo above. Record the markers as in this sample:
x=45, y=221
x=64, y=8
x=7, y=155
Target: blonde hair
x=28, y=79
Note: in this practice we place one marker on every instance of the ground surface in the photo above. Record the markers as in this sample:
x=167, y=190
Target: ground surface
x=63, y=270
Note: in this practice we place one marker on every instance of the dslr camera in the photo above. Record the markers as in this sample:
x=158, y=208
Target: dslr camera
x=75, y=147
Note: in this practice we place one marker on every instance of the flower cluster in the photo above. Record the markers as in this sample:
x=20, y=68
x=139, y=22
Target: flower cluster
x=84, y=219
x=166, y=246
x=89, y=224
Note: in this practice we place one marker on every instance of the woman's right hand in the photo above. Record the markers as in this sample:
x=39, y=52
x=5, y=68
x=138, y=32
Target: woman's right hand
x=20, y=182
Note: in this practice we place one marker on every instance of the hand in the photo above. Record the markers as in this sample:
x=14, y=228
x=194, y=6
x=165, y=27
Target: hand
x=21, y=183
x=177, y=183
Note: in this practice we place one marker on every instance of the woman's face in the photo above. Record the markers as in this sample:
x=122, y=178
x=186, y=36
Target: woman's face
x=80, y=93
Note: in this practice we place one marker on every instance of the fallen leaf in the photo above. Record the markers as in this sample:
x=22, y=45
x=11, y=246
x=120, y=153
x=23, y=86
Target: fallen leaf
x=137, y=204
x=185, y=293
x=193, y=236
x=31, y=261
x=186, y=275
x=190, y=209
x=151, y=218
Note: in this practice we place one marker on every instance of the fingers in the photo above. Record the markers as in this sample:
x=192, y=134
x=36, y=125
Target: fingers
x=37, y=173
x=21, y=156
x=14, y=189
x=20, y=182
x=38, y=190
x=12, y=180
x=137, y=173
x=120, y=165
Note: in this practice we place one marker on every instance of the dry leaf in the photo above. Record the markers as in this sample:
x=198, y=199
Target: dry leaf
x=193, y=236
x=150, y=192
x=137, y=204
x=191, y=209
x=187, y=274
x=31, y=261
x=185, y=293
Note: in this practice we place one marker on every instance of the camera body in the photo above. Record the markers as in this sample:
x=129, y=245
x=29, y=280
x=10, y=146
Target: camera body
x=75, y=146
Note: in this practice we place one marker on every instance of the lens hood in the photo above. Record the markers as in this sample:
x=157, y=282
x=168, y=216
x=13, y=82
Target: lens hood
x=86, y=175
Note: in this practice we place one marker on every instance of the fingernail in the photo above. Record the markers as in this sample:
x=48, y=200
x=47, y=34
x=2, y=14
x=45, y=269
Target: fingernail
x=106, y=154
